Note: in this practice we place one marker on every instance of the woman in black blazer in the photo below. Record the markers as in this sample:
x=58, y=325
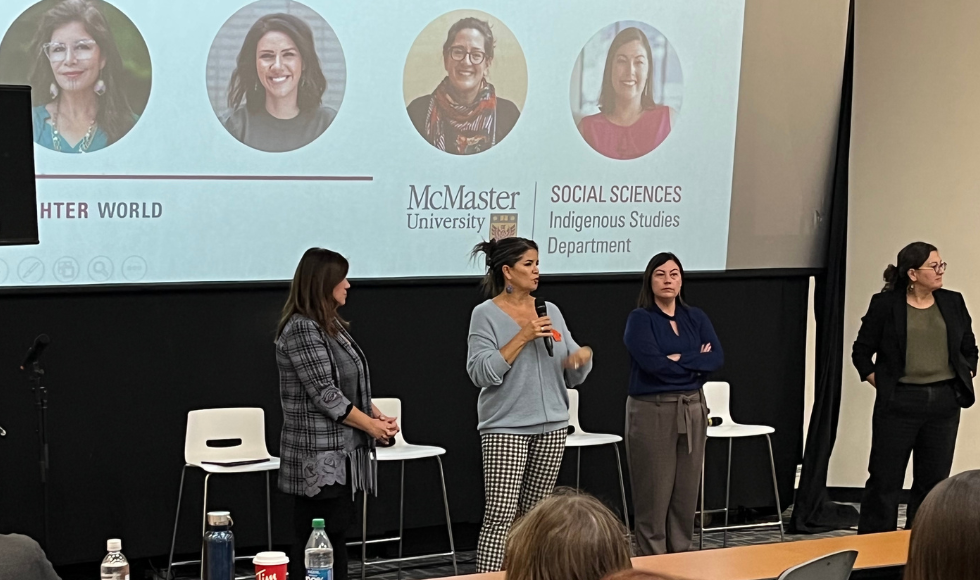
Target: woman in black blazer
x=925, y=359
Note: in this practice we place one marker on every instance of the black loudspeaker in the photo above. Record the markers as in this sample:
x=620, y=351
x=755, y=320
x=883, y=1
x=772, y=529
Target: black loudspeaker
x=18, y=195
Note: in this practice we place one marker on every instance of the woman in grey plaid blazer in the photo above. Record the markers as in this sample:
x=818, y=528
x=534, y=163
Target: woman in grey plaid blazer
x=329, y=425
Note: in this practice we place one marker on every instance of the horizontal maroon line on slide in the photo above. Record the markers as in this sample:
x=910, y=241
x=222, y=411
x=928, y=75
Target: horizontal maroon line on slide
x=212, y=177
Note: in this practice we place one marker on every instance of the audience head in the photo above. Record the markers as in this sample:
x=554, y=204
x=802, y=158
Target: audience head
x=509, y=262
x=634, y=574
x=568, y=536
x=945, y=542
x=318, y=289
x=663, y=279
x=919, y=264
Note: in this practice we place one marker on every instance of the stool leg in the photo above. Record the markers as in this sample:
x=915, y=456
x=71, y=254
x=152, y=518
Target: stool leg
x=268, y=511
x=701, y=533
x=173, y=539
x=728, y=487
x=449, y=521
x=401, y=520
x=364, y=537
x=204, y=519
x=622, y=487
x=775, y=487
x=578, y=467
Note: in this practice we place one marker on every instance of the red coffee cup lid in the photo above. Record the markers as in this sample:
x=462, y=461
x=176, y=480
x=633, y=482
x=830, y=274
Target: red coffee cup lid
x=270, y=558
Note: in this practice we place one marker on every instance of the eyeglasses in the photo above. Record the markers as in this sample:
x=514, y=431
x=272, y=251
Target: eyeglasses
x=458, y=53
x=58, y=51
x=938, y=268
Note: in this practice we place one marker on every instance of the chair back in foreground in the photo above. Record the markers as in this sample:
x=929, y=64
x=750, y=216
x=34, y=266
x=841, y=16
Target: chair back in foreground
x=836, y=566
x=225, y=435
x=573, y=420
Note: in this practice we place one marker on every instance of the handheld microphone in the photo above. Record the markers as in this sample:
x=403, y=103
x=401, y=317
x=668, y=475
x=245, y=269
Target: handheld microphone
x=714, y=421
x=40, y=343
x=542, y=310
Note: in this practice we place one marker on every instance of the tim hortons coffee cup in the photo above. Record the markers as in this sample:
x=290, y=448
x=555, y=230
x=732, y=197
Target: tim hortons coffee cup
x=270, y=565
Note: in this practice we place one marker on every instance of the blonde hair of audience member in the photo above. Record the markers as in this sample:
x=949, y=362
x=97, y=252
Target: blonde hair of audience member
x=946, y=533
x=634, y=574
x=567, y=536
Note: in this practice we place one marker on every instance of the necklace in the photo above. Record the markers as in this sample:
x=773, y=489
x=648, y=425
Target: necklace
x=86, y=141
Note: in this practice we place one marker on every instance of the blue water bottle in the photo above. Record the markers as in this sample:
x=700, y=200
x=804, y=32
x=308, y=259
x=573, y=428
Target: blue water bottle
x=218, y=562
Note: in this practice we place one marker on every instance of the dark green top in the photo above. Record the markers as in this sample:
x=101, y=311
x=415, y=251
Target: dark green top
x=927, y=351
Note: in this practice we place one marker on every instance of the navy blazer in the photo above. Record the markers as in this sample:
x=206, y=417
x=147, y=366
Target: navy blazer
x=883, y=334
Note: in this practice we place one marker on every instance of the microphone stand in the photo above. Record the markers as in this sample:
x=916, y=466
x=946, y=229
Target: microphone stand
x=41, y=403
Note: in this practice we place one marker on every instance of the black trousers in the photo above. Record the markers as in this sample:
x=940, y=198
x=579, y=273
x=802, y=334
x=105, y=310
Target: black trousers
x=335, y=505
x=922, y=419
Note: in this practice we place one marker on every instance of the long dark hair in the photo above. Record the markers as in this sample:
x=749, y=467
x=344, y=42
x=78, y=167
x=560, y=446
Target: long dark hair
x=911, y=257
x=311, y=292
x=115, y=117
x=607, y=96
x=946, y=531
x=646, y=298
x=244, y=84
x=481, y=26
x=500, y=253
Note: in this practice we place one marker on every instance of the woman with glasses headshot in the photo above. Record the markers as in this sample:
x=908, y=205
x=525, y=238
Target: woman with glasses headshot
x=916, y=347
x=276, y=91
x=464, y=115
x=76, y=76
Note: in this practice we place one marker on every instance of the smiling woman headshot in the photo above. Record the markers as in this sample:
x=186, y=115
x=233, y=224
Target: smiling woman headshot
x=466, y=113
x=637, y=94
x=88, y=89
x=280, y=94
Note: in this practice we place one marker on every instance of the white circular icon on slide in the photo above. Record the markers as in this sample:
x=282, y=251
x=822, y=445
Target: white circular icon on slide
x=66, y=269
x=30, y=270
x=100, y=269
x=134, y=268
x=4, y=270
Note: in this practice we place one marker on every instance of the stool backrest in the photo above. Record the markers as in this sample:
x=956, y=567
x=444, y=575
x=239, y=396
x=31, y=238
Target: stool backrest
x=393, y=408
x=225, y=435
x=717, y=395
x=573, y=420
x=836, y=566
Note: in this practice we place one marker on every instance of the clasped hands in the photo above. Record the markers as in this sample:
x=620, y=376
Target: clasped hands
x=383, y=427
x=706, y=347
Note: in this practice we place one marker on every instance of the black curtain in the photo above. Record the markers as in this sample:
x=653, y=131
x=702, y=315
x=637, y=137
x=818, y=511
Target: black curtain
x=813, y=511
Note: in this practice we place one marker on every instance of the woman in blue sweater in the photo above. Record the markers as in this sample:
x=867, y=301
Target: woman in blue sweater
x=523, y=404
x=672, y=349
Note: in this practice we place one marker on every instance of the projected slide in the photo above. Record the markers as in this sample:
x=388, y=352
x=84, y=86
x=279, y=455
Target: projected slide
x=187, y=141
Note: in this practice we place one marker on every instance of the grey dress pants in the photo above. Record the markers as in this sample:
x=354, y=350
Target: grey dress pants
x=665, y=437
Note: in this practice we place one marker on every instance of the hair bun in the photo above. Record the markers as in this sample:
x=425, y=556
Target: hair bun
x=890, y=272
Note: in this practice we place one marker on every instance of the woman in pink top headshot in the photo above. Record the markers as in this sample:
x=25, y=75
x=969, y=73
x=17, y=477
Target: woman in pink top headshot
x=630, y=124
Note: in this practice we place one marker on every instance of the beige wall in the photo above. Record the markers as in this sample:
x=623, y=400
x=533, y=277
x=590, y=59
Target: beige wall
x=788, y=103
x=915, y=175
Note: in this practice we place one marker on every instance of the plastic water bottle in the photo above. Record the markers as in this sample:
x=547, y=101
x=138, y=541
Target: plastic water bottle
x=114, y=565
x=319, y=554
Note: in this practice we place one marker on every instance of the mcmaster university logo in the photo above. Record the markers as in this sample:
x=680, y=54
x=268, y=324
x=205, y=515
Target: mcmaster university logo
x=503, y=225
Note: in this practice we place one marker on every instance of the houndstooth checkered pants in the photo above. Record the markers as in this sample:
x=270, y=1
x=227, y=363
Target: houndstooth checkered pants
x=518, y=472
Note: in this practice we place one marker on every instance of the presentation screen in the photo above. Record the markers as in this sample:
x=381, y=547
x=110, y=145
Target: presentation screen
x=187, y=141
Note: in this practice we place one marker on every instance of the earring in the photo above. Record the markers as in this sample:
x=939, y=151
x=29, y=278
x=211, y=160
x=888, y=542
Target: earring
x=509, y=289
x=100, y=87
x=53, y=89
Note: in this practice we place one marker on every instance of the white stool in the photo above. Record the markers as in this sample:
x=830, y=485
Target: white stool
x=581, y=438
x=224, y=441
x=717, y=397
x=403, y=451
x=836, y=566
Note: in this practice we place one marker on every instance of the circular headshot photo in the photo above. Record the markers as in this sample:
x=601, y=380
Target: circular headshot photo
x=626, y=90
x=89, y=68
x=276, y=75
x=465, y=82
